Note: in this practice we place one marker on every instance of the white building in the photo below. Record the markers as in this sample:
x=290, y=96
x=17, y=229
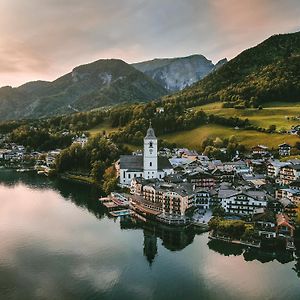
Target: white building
x=149, y=165
x=284, y=149
x=242, y=202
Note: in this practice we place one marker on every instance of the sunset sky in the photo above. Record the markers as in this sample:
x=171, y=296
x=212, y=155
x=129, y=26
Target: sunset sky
x=43, y=39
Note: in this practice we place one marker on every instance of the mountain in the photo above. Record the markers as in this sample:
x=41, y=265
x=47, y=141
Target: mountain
x=101, y=83
x=267, y=72
x=175, y=74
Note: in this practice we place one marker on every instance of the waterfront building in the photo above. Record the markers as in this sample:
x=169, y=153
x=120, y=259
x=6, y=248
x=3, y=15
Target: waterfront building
x=265, y=223
x=283, y=227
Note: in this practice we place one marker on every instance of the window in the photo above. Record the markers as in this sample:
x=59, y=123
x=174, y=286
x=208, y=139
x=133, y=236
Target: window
x=150, y=163
x=151, y=145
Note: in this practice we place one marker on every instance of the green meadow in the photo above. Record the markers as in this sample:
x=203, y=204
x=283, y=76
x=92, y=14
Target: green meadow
x=194, y=138
x=275, y=113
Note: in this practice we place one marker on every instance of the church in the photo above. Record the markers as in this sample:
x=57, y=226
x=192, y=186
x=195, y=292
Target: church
x=149, y=165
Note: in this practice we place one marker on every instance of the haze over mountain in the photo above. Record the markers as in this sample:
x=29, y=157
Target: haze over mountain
x=267, y=72
x=101, y=83
x=175, y=74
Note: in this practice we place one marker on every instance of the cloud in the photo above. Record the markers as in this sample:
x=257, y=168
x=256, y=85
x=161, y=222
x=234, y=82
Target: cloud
x=44, y=39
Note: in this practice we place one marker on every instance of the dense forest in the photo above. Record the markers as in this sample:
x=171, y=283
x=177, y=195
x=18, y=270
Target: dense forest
x=268, y=72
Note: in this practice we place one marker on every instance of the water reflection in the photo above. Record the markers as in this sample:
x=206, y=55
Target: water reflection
x=173, y=239
x=250, y=254
x=57, y=242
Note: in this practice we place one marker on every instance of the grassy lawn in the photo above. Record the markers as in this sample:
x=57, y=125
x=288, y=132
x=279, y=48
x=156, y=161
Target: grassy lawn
x=272, y=114
x=193, y=138
x=105, y=126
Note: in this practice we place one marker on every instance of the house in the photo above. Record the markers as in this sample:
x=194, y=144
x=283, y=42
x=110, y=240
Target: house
x=202, y=179
x=289, y=173
x=160, y=110
x=186, y=153
x=240, y=201
x=149, y=165
x=265, y=223
x=284, y=149
x=290, y=194
x=202, y=199
x=222, y=175
x=81, y=140
x=51, y=156
x=257, y=165
x=260, y=150
x=283, y=226
x=274, y=166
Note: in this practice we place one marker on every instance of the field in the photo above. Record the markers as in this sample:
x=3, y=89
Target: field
x=274, y=113
x=194, y=138
x=271, y=114
x=102, y=127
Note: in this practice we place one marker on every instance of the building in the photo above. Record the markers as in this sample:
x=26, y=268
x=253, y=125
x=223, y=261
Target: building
x=284, y=149
x=265, y=223
x=81, y=140
x=202, y=199
x=164, y=198
x=260, y=150
x=274, y=166
x=290, y=194
x=202, y=179
x=148, y=165
x=283, y=227
x=288, y=174
x=241, y=202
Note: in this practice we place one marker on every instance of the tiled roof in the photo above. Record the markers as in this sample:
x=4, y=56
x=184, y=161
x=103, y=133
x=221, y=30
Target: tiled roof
x=136, y=162
x=131, y=162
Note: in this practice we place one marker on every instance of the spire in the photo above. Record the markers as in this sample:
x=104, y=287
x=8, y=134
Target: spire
x=150, y=132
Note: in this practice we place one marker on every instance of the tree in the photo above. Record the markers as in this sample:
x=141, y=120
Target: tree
x=110, y=180
x=98, y=168
x=218, y=211
x=272, y=128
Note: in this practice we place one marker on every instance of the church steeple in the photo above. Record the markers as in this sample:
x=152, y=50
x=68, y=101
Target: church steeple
x=150, y=154
x=150, y=132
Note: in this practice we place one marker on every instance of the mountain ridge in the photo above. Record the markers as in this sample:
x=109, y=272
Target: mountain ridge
x=177, y=73
x=269, y=71
x=100, y=83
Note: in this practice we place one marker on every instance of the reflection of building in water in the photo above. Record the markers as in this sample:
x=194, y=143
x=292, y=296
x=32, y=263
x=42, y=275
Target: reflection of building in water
x=173, y=238
x=150, y=246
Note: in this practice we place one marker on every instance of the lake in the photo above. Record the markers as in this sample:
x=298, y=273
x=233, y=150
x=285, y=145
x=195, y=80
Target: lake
x=57, y=242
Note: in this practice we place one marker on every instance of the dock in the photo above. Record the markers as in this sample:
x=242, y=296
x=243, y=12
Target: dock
x=110, y=205
x=121, y=213
x=237, y=242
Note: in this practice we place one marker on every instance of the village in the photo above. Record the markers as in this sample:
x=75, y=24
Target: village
x=181, y=187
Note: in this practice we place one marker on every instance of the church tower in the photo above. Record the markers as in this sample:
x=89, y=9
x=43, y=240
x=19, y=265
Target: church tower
x=150, y=154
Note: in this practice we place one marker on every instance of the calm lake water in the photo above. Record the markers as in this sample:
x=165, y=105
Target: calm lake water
x=57, y=242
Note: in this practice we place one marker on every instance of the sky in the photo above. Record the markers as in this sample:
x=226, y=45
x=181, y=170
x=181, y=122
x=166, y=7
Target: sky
x=44, y=39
